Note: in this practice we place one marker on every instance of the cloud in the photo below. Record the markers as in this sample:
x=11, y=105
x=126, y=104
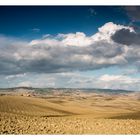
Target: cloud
x=133, y=12
x=119, y=82
x=74, y=80
x=126, y=37
x=130, y=39
x=130, y=71
x=78, y=39
x=24, y=84
x=36, y=84
x=67, y=52
x=118, y=78
x=15, y=76
x=104, y=81
x=36, y=30
x=92, y=12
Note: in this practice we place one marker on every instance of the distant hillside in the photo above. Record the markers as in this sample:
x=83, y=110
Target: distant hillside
x=64, y=90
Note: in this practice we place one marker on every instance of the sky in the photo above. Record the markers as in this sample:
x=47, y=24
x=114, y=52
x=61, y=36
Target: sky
x=70, y=47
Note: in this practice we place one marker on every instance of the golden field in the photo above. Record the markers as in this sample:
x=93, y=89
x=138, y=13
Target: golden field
x=70, y=114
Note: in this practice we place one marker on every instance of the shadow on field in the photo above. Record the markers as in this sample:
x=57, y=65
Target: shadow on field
x=133, y=116
x=46, y=116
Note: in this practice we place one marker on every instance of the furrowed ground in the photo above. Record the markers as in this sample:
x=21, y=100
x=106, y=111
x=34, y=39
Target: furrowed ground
x=82, y=114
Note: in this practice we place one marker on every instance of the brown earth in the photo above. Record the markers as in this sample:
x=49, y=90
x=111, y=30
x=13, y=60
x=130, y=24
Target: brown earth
x=81, y=114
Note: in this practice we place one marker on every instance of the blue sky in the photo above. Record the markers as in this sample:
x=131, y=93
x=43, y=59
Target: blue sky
x=19, y=21
x=70, y=46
